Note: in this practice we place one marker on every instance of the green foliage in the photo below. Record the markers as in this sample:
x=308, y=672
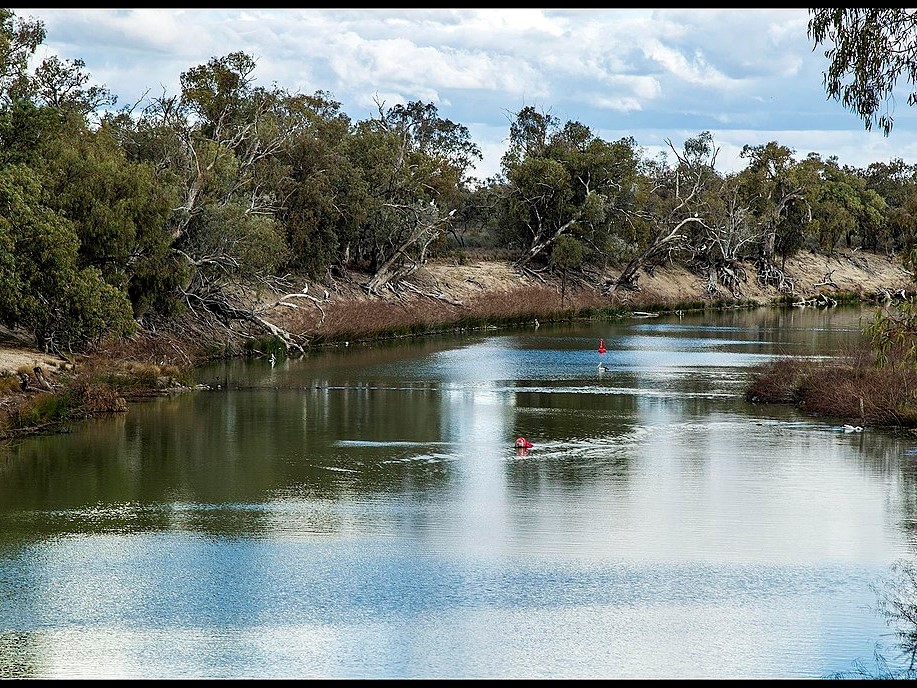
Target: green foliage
x=541, y=200
x=440, y=143
x=776, y=190
x=568, y=253
x=120, y=211
x=25, y=130
x=892, y=334
x=564, y=181
x=409, y=165
x=238, y=243
x=220, y=93
x=328, y=197
x=42, y=287
x=94, y=310
x=843, y=207
x=870, y=47
x=19, y=39
x=896, y=183
x=62, y=84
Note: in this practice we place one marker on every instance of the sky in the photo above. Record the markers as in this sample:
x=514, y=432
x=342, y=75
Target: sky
x=748, y=76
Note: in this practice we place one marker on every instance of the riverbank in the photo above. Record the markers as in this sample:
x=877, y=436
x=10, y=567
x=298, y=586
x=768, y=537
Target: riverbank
x=446, y=295
x=478, y=292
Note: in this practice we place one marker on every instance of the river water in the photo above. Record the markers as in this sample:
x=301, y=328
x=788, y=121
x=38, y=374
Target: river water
x=362, y=513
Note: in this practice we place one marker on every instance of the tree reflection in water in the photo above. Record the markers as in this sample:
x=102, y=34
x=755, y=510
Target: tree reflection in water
x=897, y=603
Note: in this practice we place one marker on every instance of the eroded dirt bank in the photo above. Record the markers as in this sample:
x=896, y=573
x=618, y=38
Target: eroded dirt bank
x=449, y=292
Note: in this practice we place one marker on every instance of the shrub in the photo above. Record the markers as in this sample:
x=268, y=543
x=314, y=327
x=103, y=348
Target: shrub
x=9, y=384
x=780, y=382
x=851, y=387
x=42, y=409
x=266, y=345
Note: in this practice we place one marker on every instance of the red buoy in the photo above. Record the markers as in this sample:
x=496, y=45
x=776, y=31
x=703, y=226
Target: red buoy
x=602, y=346
x=522, y=443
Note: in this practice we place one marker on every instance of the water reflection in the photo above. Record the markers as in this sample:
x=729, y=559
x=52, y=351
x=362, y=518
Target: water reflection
x=364, y=513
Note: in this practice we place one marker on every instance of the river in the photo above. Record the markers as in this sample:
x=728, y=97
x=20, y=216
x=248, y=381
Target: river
x=362, y=513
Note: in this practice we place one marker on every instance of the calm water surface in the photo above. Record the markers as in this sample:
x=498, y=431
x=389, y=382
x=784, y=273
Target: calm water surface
x=362, y=514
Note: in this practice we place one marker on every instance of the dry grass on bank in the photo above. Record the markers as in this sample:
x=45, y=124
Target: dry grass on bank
x=850, y=387
x=448, y=295
x=95, y=386
x=366, y=318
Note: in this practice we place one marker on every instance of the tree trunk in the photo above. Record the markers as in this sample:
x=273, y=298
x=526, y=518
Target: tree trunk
x=626, y=278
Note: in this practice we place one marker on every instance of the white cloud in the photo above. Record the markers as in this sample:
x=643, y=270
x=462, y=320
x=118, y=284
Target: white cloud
x=747, y=75
x=695, y=70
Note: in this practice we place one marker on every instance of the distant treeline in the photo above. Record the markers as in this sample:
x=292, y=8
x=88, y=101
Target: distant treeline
x=113, y=219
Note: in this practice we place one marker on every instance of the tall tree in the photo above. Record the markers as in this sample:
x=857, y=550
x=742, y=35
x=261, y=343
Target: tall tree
x=774, y=187
x=869, y=48
x=19, y=39
x=326, y=195
x=674, y=201
x=414, y=164
x=564, y=181
x=224, y=139
x=43, y=289
x=120, y=211
x=843, y=206
x=896, y=182
x=65, y=84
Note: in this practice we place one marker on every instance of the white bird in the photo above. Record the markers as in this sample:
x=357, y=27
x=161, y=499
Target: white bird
x=852, y=428
x=273, y=360
x=603, y=368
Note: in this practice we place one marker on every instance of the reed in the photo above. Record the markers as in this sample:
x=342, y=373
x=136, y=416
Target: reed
x=850, y=387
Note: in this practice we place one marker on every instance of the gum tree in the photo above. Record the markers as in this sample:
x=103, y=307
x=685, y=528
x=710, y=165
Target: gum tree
x=869, y=49
x=564, y=181
x=412, y=166
x=223, y=139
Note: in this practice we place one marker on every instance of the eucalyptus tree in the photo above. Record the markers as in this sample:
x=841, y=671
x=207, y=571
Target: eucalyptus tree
x=65, y=84
x=326, y=196
x=56, y=83
x=413, y=165
x=676, y=206
x=871, y=210
x=222, y=138
x=775, y=188
x=43, y=288
x=843, y=207
x=565, y=181
x=19, y=40
x=896, y=182
x=119, y=209
x=51, y=221
x=869, y=49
